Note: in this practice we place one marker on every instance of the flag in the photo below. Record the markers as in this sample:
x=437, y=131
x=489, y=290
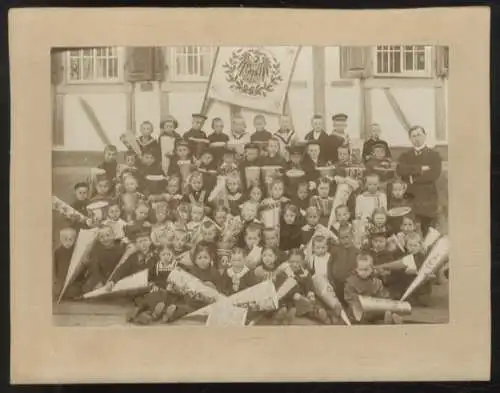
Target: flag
x=256, y=78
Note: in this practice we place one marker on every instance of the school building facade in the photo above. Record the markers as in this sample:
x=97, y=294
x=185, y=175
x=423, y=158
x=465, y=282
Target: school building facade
x=98, y=91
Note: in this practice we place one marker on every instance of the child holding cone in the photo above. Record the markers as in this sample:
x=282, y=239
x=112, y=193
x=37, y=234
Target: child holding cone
x=158, y=303
x=363, y=282
x=237, y=276
x=61, y=260
x=103, y=258
x=301, y=300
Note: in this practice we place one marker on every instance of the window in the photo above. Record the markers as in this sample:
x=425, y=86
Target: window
x=192, y=62
x=94, y=65
x=403, y=60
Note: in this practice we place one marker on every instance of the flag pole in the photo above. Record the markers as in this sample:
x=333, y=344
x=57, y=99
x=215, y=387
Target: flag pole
x=204, y=105
x=286, y=107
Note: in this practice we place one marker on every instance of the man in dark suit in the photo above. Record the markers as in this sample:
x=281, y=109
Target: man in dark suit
x=420, y=167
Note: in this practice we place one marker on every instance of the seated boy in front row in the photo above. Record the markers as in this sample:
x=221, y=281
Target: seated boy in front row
x=363, y=282
x=301, y=300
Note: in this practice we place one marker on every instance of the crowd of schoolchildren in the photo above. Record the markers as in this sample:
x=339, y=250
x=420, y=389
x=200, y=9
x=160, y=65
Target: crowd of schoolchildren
x=183, y=216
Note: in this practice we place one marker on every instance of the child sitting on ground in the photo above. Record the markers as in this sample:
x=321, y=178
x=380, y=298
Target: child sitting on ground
x=363, y=282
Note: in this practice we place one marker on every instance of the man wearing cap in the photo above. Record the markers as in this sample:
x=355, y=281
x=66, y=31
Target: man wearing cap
x=318, y=133
x=195, y=135
x=338, y=137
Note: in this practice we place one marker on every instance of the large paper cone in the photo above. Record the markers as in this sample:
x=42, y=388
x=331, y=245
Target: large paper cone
x=366, y=306
x=253, y=257
x=184, y=259
x=223, y=314
x=286, y=287
x=260, y=297
x=270, y=214
x=326, y=171
x=252, y=174
x=97, y=210
x=342, y=194
x=84, y=243
x=326, y=293
x=167, y=145
x=66, y=210
x=135, y=283
x=93, y=173
x=186, y=284
x=130, y=142
x=185, y=167
x=432, y=236
x=397, y=241
x=405, y=263
x=436, y=258
x=219, y=189
x=131, y=249
x=355, y=171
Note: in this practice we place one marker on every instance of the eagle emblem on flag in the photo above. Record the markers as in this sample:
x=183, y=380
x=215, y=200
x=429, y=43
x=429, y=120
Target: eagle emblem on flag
x=252, y=72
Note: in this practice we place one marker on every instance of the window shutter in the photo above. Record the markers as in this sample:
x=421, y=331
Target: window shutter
x=139, y=64
x=159, y=64
x=355, y=62
x=442, y=59
x=56, y=66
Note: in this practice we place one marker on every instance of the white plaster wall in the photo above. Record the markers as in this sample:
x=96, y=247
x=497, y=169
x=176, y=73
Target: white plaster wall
x=111, y=111
x=147, y=106
x=418, y=106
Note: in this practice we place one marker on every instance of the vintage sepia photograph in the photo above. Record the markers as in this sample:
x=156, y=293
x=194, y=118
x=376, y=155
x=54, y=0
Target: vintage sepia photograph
x=250, y=185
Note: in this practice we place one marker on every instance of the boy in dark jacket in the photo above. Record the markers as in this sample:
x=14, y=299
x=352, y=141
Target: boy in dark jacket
x=363, y=282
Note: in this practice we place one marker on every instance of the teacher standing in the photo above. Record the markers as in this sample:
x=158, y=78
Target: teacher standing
x=420, y=167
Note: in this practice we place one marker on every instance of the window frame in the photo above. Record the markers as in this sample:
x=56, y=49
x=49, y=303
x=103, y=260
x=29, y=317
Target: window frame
x=427, y=73
x=120, y=55
x=173, y=55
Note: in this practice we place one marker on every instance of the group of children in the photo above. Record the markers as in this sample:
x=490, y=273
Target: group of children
x=236, y=209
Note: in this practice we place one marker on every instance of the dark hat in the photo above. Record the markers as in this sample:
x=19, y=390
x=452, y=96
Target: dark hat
x=169, y=118
x=251, y=145
x=149, y=150
x=134, y=232
x=227, y=150
x=313, y=142
x=101, y=177
x=199, y=115
x=340, y=116
x=181, y=142
x=378, y=144
x=295, y=149
x=374, y=233
x=81, y=184
x=207, y=150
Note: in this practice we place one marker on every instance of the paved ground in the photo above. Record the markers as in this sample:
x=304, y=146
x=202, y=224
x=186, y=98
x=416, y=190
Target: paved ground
x=107, y=314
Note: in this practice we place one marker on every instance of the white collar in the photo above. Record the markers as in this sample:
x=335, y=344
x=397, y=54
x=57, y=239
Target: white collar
x=419, y=149
x=237, y=275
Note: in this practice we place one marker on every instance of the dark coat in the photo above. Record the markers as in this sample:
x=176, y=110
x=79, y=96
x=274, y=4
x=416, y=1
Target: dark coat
x=323, y=141
x=368, y=148
x=102, y=261
x=421, y=185
x=290, y=235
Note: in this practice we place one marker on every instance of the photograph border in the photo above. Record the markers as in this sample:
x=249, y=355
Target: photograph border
x=44, y=353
